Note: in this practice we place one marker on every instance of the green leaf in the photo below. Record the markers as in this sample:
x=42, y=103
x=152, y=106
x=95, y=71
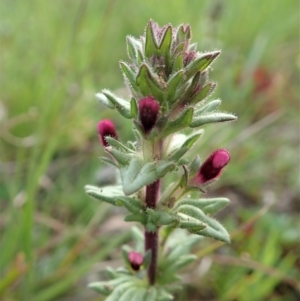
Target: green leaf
x=133, y=108
x=178, y=63
x=120, y=104
x=183, y=261
x=211, y=118
x=195, y=165
x=159, y=217
x=139, y=174
x=164, y=167
x=129, y=75
x=109, y=161
x=106, y=194
x=131, y=204
x=151, y=45
x=140, y=57
x=177, y=154
x=138, y=131
x=125, y=251
x=132, y=145
x=181, y=122
x=192, y=47
x=180, y=151
x=112, y=274
x=140, y=294
x=138, y=237
x=163, y=295
x=128, y=294
x=119, y=145
x=192, y=139
x=214, y=229
x=119, y=290
x=147, y=83
x=192, y=87
x=208, y=206
x=178, y=48
x=136, y=217
x=121, y=157
x=201, y=63
x=121, y=279
x=101, y=287
x=203, y=78
x=133, y=46
x=208, y=107
x=183, y=33
x=151, y=294
x=110, y=191
x=177, y=248
x=189, y=222
x=173, y=83
x=103, y=99
x=165, y=46
x=123, y=271
x=203, y=93
x=150, y=227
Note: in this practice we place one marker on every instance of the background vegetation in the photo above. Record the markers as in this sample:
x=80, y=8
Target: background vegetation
x=55, y=55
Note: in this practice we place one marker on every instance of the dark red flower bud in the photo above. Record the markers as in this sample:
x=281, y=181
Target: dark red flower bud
x=212, y=168
x=136, y=259
x=106, y=128
x=148, y=112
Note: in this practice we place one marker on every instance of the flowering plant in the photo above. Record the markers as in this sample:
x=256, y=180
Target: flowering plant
x=160, y=182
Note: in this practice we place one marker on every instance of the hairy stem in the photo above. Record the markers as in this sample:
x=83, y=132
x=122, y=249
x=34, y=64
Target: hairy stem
x=151, y=238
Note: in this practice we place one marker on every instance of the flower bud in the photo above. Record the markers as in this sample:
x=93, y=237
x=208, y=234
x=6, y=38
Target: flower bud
x=106, y=128
x=212, y=168
x=136, y=259
x=148, y=112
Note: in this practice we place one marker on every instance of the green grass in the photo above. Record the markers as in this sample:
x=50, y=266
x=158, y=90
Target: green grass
x=55, y=55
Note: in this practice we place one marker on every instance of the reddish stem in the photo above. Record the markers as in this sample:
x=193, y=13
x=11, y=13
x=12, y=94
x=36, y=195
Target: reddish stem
x=151, y=238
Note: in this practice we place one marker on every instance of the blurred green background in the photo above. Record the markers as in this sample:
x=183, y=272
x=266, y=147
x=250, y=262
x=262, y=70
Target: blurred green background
x=55, y=55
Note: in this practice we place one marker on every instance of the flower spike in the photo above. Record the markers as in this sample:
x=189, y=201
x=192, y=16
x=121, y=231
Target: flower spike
x=168, y=81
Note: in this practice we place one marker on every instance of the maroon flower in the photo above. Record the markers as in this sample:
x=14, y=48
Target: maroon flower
x=148, y=111
x=212, y=168
x=136, y=259
x=106, y=128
